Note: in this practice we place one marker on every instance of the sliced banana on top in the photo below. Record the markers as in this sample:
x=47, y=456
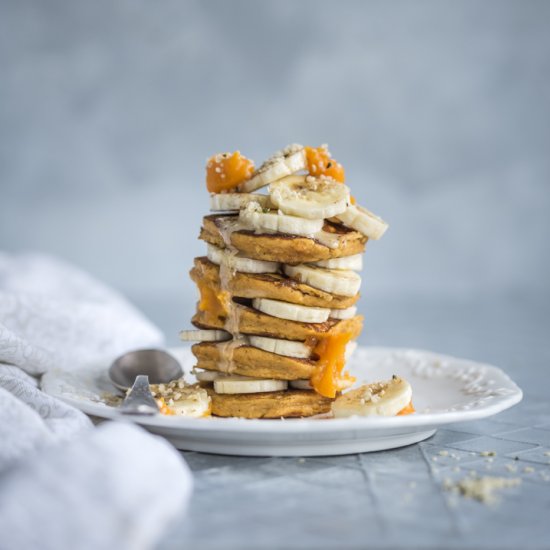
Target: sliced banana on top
x=309, y=197
x=220, y=256
x=365, y=222
x=290, y=160
x=355, y=263
x=378, y=399
x=253, y=216
x=223, y=202
x=343, y=283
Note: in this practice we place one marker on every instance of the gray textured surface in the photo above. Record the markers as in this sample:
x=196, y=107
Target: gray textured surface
x=395, y=499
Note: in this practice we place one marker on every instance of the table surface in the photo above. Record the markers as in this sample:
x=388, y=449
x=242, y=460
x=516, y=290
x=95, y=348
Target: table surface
x=396, y=499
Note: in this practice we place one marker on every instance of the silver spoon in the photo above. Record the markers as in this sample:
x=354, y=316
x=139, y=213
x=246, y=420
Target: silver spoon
x=140, y=400
x=137, y=369
x=157, y=364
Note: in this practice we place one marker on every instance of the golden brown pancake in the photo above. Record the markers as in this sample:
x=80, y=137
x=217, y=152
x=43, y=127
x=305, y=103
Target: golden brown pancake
x=252, y=321
x=254, y=362
x=280, y=247
x=291, y=403
x=269, y=285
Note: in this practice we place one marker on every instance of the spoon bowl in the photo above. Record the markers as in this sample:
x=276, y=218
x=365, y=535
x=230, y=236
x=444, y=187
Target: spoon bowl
x=157, y=364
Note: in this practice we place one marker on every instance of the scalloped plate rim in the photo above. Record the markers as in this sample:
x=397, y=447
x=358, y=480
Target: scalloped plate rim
x=317, y=425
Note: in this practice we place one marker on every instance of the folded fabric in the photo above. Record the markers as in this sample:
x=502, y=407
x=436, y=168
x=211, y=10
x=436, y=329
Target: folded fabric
x=53, y=315
x=114, y=487
x=64, y=483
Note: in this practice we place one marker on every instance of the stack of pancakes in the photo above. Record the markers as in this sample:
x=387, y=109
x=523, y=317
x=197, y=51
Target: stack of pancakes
x=256, y=364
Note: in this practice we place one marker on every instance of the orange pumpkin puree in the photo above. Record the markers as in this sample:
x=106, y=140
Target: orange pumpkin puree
x=328, y=378
x=409, y=409
x=225, y=171
x=213, y=302
x=320, y=163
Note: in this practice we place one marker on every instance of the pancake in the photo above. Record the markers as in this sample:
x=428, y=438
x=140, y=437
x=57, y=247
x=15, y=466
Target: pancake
x=281, y=247
x=251, y=361
x=290, y=403
x=269, y=285
x=252, y=321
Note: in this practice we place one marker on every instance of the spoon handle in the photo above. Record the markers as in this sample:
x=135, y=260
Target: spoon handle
x=140, y=399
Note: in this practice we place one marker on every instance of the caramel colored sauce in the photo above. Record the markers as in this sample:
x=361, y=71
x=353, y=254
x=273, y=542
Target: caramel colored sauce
x=213, y=303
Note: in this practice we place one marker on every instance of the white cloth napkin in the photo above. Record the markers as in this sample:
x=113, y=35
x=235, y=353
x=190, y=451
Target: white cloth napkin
x=64, y=483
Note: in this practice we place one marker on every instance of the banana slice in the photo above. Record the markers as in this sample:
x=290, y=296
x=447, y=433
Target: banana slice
x=365, y=222
x=252, y=216
x=237, y=201
x=347, y=313
x=300, y=384
x=291, y=312
x=197, y=405
x=220, y=256
x=378, y=399
x=181, y=399
x=355, y=263
x=287, y=348
x=283, y=163
x=204, y=335
x=207, y=375
x=239, y=384
x=343, y=283
x=211, y=375
x=309, y=197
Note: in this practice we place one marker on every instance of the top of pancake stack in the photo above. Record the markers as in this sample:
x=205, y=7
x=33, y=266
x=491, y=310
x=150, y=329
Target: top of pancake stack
x=276, y=317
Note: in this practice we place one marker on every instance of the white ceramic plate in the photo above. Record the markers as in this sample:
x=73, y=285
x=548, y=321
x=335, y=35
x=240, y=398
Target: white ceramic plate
x=445, y=390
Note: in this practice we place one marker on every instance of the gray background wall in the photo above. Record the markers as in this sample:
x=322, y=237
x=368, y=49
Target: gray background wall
x=439, y=110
